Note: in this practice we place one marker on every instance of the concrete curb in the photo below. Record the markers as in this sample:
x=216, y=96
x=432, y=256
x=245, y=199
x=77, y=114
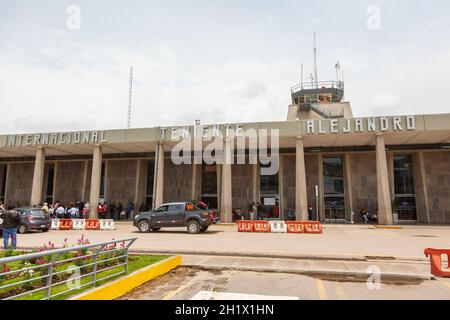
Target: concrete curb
x=120, y=287
x=329, y=274
x=249, y=255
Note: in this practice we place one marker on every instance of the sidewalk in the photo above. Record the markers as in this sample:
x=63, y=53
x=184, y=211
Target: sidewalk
x=324, y=269
x=338, y=242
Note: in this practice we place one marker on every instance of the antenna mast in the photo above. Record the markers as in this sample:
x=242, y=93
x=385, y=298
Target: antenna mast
x=315, y=63
x=129, y=98
x=301, y=80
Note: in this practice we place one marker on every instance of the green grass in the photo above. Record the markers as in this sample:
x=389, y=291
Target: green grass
x=135, y=262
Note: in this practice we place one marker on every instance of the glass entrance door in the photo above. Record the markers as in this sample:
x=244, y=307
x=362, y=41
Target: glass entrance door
x=334, y=197
x=405, y=193
x=209, y=186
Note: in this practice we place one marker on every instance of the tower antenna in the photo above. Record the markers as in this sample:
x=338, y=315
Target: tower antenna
x=130, y=92
x=301, y=80
x=315, y=63
x=337, y=67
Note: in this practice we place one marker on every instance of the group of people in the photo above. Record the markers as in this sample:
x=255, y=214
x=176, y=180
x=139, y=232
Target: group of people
x=70, y=210
x=80, y=210
x=114, y=210
x=256, y=209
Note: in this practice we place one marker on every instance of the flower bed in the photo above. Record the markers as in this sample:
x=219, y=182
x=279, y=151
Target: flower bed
x=109, y=262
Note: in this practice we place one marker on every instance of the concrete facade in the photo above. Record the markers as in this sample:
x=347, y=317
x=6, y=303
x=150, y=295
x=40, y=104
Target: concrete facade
x=69, y=181
x=437, y=182
x=367, y=146
x=121, y=181
x=177, y=181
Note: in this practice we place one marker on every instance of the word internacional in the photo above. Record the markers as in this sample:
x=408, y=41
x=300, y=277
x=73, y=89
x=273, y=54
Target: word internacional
x=41, y=139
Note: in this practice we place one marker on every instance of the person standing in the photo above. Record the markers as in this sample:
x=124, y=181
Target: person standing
x=259, y=210
x=130, y=208
x=119, y=210
x=80, y=206
x=100, y=210
x=45, y=207
x=106, y=211
x=73, y=211
x=59, y=212
x=310, y=213
x=84, y=212
x=11, y=221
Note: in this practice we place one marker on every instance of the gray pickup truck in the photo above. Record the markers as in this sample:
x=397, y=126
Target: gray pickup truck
x=176, y=214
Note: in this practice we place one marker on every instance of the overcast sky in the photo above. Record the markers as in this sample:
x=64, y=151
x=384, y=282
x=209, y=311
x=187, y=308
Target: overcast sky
x=218, y=61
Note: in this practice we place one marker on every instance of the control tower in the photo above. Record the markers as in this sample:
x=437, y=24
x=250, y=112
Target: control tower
x=319, y=100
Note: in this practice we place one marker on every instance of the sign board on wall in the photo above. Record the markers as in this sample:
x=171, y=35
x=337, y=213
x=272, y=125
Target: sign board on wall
x=270, y=201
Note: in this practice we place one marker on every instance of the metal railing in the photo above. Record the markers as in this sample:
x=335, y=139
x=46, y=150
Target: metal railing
x=90, y=257
x=323, y=84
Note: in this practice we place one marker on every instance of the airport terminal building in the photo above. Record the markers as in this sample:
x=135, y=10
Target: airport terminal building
x=398, y=166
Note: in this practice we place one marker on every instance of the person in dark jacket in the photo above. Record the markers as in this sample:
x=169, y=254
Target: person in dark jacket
x=130, y=208
x=260, y=212
x=11, y=221
x=119, y=210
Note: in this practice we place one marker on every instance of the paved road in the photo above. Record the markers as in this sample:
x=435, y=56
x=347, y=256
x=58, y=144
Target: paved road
x=190, y=283
x=354, y=241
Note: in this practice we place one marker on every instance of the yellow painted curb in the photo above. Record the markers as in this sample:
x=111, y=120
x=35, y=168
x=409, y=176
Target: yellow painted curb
x=124, y=285
x=388, y=227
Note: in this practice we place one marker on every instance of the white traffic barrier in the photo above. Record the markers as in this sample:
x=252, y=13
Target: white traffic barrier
x=278, y=226
x=78, y=224
x=107, y=224
x=55, y=224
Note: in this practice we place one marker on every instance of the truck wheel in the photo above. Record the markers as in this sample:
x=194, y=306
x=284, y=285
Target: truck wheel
x=193, y=227
x=204, y=229
x=144, y=226
x=156, y=229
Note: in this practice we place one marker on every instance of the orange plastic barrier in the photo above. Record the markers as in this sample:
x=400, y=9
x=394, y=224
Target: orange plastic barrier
x=261, y=226
x=436, y=262
x=245, y=226
x=92, y=224
x=295, y=227
x=65, y=224
x=313, y=227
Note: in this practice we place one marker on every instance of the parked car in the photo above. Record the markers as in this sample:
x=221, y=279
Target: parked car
x=32, y=219
x=176, y=214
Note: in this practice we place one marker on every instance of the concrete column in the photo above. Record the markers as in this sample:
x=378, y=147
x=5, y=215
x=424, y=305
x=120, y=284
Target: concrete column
x=384, y=196
x=256, y=178
x=158, y=199
x=281, y=186
x=8, y=172
x=137, y=182
x=226, y=199
x=301, y=196
x=95, y=182
x=38, y=177
x=219, y=186
x=85, y=177
x=420, y=181
x=105, y=197
x=390, y=167
x=55, y=180
x=348, y=188
x=195, y=169
x=321, y=187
